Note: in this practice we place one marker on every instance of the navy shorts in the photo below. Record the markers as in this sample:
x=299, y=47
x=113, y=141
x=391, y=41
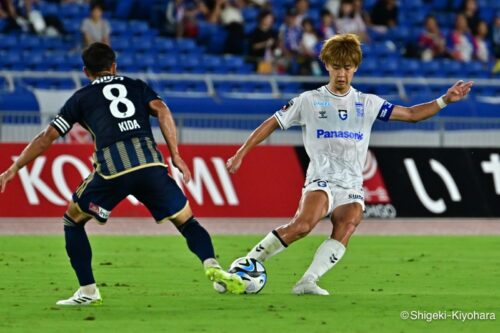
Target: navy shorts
x=152, y=186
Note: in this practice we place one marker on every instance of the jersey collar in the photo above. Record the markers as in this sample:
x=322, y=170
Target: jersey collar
x=336, y=95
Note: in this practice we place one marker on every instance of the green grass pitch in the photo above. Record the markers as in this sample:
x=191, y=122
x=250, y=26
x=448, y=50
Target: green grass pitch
x=154, y=284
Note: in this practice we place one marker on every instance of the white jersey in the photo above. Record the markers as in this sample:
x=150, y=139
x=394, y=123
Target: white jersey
x=336, y=132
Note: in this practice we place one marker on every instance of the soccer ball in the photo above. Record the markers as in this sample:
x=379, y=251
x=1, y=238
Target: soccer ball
x=252, y=272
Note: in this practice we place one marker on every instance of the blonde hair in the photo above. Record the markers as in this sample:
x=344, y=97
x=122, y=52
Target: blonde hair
x=342, y=49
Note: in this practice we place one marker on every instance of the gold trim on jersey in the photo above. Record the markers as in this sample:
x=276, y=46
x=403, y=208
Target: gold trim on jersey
x=138, y=149
x=108, y=160
x=154, y=152
x=163, y=220
x=84, y=185
x=132, y=169
x=123, y=154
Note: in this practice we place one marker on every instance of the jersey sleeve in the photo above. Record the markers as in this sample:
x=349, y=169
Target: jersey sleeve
x=380, y=108
x=148, y=93
x=290, y=114
x=69, y=115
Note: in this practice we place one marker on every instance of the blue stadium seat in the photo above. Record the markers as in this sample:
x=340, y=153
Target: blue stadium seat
x=385, y=90
x=289, y=87
x=476, y=69
x=164, y=45
x=187, y=46
x=411, y=68
x=432, y=68
x=262, y=87
x=121, y=44
x=8, y=42
x=29, y=42
x=196, y=86
x=451, y=68
x=192, y=64
x=10, y=59
x=69, y=11
x=34, y=60
x=369, y=67
x=168, y=62
x=138, y=27
x=250, y=14
x=3, y=84
x=119, y=28
x=141, y=44
x=146, y=61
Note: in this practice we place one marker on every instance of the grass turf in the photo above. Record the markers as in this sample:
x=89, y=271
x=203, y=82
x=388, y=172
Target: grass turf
x=154, y=284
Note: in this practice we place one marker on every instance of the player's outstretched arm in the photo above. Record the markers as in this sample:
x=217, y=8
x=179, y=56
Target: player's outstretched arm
x=169, y=132
x=419, y=112
x=35, y=148
x=260, y=134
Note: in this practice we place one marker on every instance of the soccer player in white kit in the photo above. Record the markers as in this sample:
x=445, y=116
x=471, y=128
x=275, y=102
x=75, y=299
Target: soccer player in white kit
x=336, y=122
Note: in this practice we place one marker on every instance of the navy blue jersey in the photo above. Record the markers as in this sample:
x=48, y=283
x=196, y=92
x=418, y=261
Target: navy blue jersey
x=115, y=110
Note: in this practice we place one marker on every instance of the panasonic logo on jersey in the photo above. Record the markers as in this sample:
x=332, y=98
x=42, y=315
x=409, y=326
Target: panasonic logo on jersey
x=323, y=134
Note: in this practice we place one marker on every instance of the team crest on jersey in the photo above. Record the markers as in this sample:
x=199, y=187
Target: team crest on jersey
x=287, y=106
x=360, y=111
x=322, y=114
x=343, y=114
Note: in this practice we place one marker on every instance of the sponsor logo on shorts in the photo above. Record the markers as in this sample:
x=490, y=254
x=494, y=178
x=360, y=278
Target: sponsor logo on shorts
x=101, y=212
x=343, y=114
x=356, y=196
x=324, y=134
x=321, y=183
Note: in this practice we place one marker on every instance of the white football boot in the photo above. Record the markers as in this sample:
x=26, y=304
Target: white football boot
x=80, y=299
x=308, y=286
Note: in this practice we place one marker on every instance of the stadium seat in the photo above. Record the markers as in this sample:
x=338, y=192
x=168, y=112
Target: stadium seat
x=8, y=42
x=138, y=27
x=410, y=68
x=141, y=44
x=3, y=84
x=164, y=45
x=289, y=87
x=187, y=46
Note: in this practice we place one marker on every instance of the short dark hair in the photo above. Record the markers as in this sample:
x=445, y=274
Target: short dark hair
x=98, y=57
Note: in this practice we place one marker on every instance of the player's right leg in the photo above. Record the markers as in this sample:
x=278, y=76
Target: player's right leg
x=80, y=255
x=94, y=198
x=312, y=207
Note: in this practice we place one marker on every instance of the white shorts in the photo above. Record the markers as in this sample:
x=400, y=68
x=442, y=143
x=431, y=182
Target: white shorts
x=337, y=196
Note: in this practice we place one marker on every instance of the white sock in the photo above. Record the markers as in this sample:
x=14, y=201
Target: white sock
x=211, y=262
x=89, y=289
x=328, y=254
x=267, y=247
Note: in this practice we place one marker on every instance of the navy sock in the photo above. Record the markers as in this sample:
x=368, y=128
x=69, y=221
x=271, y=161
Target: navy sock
x=198, y=239
x=79, y=251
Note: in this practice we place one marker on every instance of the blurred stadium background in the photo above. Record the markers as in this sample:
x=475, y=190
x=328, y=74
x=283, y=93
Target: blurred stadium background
x=221, y=77
x=201, y=56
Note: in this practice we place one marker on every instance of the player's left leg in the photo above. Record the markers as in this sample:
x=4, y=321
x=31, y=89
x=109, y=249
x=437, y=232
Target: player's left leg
x=199, y=242
x=345, y=219
x=165, y=200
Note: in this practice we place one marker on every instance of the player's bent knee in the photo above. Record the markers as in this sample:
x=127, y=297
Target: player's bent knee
x=74, y=213
x=302, y=227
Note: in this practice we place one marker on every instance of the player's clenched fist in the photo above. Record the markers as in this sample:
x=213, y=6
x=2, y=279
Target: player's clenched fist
x=233, y=164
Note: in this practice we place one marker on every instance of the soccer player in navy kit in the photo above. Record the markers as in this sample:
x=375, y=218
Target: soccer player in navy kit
x=115, y=110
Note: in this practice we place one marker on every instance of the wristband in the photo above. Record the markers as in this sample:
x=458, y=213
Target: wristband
x=440, y=102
